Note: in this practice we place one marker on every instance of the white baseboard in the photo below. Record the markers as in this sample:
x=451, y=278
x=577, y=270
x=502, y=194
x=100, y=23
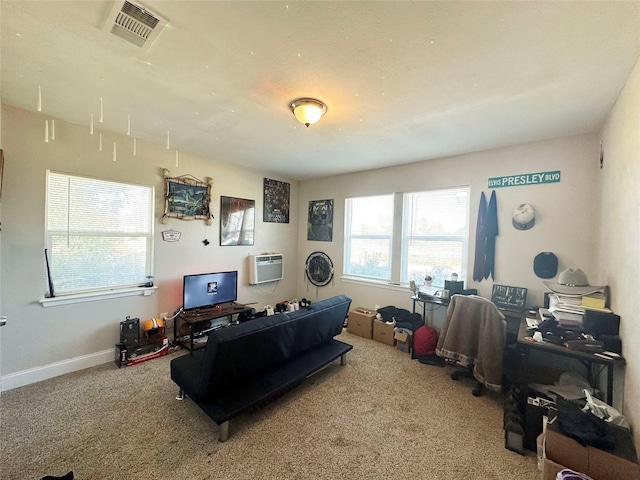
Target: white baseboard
x=37, y=374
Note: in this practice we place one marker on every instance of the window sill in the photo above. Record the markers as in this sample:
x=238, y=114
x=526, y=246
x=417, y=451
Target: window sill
x=93, y=296
x=376, y=283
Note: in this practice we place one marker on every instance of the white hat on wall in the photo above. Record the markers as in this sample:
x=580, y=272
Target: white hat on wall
x=524, y=217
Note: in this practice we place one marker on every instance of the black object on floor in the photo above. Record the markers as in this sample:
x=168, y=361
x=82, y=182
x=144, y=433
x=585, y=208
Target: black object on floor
x=68, y=476
x=432, y=360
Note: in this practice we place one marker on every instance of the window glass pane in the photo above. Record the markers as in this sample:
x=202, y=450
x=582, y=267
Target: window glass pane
x=434, y=234
x=89, y=262
x=85, y=204
x=370, y=258
x=99, y=233
x=368, y=236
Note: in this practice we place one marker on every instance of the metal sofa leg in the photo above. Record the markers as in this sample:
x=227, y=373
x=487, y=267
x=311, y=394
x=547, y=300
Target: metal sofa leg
x=180, y=395
x=223, y=433
x=343, y=359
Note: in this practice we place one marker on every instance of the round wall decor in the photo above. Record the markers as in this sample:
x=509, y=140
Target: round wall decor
x=319, y=269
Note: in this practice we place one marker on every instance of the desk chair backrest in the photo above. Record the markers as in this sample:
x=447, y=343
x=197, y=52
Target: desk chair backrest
x=474, y=334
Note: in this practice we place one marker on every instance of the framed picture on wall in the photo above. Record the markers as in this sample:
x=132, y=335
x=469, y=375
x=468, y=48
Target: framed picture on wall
x=276, y=201
x=320, y=221
x=237, y=221
x=187, y=198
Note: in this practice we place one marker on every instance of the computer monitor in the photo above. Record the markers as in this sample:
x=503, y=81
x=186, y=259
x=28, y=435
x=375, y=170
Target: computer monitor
x=209, y=289
x=509, y=298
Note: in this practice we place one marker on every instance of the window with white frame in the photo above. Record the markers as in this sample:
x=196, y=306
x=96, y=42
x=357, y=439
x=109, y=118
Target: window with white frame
x=434, y=234
x=368, y=236
x=99, y=234
x=424, y=233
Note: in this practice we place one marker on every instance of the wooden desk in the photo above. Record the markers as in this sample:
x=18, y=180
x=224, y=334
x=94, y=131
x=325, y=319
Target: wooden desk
x=193, y=319
x=587, y=359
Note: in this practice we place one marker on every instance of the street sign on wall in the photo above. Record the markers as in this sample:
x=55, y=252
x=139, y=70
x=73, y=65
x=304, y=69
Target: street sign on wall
x=525, y=179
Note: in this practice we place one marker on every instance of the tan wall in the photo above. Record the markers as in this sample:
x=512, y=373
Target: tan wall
x=619, y=232
x=568, y=222
x=564, y=212
x=37, y=338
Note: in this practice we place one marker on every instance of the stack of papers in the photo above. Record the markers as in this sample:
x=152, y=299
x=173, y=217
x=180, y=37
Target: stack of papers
x=565, y=303
x=578, y=304
x=567, y=310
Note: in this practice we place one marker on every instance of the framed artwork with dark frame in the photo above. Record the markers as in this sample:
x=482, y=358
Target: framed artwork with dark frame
x=237, y=221
x=187, y=198
x=320, y=222
x=276, y=201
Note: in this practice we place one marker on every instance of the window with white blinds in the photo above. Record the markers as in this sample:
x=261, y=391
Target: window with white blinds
x=99, y=234
x=434, y=234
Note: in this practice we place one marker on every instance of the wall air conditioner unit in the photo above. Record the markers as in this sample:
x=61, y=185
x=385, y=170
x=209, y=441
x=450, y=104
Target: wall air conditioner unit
x=265, y=268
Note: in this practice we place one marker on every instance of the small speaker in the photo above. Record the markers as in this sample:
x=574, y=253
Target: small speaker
x=601, y=323
x=130, y=332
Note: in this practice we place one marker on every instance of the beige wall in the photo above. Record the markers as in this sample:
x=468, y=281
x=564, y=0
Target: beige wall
x=39, y=342
x=591, y=220
x=564, y=212
x=568, y=222
x=619, y=232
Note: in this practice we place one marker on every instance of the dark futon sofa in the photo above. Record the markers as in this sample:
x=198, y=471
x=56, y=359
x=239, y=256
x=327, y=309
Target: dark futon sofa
x=246, y=365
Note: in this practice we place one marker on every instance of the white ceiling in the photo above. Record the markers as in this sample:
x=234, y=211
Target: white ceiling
x=403, y=81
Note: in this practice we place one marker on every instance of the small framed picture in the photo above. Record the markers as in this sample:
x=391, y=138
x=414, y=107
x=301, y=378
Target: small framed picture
x=187, y=198
x=237, y=221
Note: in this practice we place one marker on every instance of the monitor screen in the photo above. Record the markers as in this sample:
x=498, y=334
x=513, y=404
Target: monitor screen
x=209, y=289
x=505, y=296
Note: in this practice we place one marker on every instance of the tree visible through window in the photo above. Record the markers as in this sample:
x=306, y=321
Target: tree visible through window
x=368, y=236
x=99, y=234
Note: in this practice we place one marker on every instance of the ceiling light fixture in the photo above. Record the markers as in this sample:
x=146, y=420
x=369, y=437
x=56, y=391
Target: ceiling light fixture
x=308, y=110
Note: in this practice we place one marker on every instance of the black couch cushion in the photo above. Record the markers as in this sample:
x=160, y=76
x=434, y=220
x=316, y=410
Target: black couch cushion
x=244, y=351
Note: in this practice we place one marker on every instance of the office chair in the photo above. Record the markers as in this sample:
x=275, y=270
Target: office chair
x=473, y=336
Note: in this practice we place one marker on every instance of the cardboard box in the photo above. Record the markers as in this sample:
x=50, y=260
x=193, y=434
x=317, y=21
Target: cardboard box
x=404, y=341
x=620, y=463
x=564, y=450
x=617, y=464
x=360, y=321
x=383, y=332
x=550, y=469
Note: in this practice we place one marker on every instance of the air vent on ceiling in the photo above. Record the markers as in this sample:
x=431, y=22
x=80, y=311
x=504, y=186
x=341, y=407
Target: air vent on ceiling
x=135, y=24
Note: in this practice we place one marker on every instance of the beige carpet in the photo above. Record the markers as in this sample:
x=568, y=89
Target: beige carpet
x=381, y=416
